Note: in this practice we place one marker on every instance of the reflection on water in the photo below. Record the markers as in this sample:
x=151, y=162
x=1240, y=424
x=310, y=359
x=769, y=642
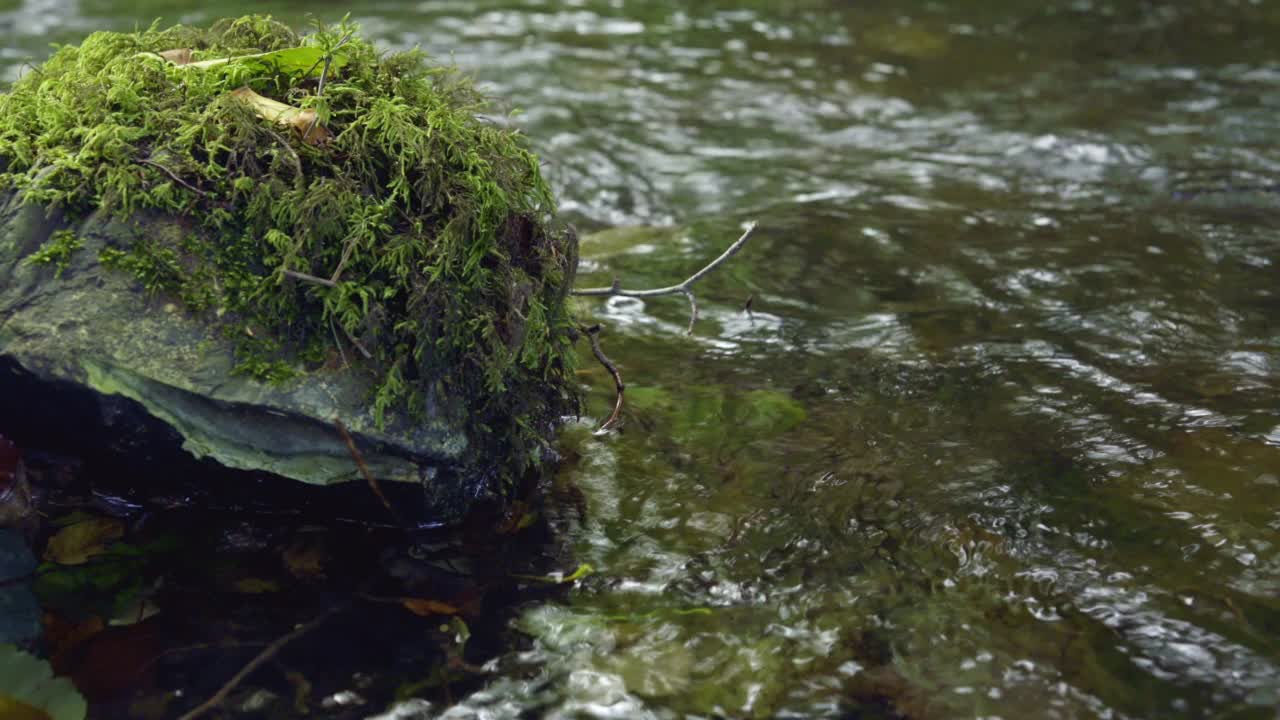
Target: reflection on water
x=1001, y=437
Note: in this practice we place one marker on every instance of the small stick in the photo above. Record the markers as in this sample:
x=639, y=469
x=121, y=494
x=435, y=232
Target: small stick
x=363, y=350
x=347, y=247
x=693, y=310
x=309, y=278
x=364, y=470
x=293, y=154
x=173, y=175
x=330, y=283
x=685, y=288
x=342, y=353
x=593, y=334
x=267, y=653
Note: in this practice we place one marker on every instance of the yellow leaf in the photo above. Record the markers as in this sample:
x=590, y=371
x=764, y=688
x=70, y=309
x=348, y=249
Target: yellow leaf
x=583, y=570
x=255, y=586
x=305, y=558
x=303, y=121
x=12, y=708
x=179, y=56
x=425, y=607
x=75, y=544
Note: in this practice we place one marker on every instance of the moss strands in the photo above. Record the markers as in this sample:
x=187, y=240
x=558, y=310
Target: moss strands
x=428, y=228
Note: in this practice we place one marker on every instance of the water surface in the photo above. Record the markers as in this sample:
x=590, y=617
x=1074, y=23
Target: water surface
x=1000, y=437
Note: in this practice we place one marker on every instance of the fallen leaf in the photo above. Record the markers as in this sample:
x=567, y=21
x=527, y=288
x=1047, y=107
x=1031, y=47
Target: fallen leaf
x=12, y=708
x=425, y=607
x=305, y=557
x=255, y=586
x=28, y=689
x=305, y=122
x=75, y=544
x=180, y=56
x=62, y=636
x=116, y=661
x=297, y=62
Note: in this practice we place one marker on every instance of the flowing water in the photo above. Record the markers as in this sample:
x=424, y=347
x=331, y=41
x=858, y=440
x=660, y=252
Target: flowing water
x=1000, y=436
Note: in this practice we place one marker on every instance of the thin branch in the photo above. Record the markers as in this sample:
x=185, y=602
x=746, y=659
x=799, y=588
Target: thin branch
x=330, y=283
x=593, y=335
x=309, y=278
x=267, y=654
x=693, y=309
x=685, y=288
x=364, y=470
x=341, y=353
x=173, y=175
x=363, y=350
x=293, y=154
x=348, y=246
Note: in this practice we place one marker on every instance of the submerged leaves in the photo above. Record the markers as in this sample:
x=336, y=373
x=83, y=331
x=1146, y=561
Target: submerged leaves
x=28, y=689
x=75, y=544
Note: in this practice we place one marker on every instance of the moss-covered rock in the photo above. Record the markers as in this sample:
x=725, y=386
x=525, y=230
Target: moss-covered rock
x=242, y=221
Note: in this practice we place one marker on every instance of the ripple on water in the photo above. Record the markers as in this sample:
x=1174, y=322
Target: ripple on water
x=1016, y=271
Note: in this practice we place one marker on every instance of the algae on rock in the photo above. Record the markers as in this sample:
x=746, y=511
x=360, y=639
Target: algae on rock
x=411, y=255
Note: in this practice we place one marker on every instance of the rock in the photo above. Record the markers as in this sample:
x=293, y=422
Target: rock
x=221, y=285
x=94, y=333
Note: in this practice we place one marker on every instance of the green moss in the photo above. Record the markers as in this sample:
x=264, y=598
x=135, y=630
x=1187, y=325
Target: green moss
x=56, y=251
x=432, y=225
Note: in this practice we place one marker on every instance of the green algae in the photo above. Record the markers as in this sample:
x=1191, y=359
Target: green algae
x=414, y=245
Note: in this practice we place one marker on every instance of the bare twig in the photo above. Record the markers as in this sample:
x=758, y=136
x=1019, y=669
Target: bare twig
x=593, y=335
x=330, y=283
x=685, y=288
x=348, y=246
x=364, y=470
x=258, y=661
x=309, y=278
x=693, y=309
x=173, y=175
x=359, y=346
x=342, y=353
x=293, y=154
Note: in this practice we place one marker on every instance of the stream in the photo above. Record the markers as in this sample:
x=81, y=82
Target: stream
x=1000, y=433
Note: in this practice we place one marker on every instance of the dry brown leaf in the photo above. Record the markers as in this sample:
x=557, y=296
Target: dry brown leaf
x=305, y=558
x=63, y=636
x=255, y=586
x=302, y=121
x=426, y=607
x=179, y=56
x=75, y=544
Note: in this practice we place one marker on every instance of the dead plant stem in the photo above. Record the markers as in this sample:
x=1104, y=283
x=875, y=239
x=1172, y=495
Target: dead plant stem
x=684, y=288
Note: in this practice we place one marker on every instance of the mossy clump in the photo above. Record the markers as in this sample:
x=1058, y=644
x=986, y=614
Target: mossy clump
x=389, y=228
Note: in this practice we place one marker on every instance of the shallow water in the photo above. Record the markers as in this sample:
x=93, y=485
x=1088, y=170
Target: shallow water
x=1000, y=437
